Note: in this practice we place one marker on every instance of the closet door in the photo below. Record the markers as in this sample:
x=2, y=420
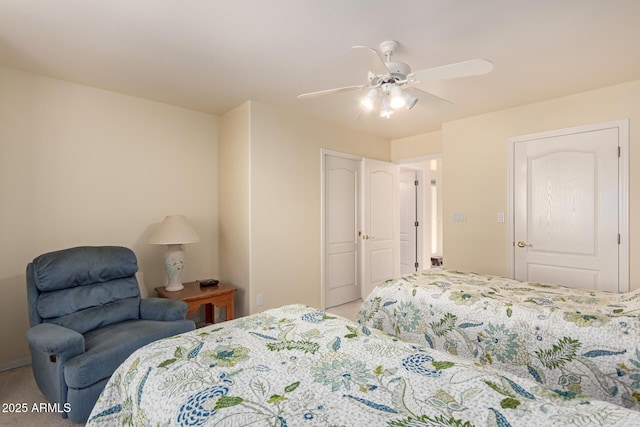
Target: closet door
x=567, y=226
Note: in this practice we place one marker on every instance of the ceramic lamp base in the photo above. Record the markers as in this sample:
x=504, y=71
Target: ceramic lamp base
x=174, y=263
x=174, y=288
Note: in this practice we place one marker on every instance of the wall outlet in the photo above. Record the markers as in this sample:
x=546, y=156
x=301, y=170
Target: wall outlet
x=260, y=299
x=459, y=217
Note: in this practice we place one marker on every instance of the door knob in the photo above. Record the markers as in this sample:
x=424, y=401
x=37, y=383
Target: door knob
x=522, y=244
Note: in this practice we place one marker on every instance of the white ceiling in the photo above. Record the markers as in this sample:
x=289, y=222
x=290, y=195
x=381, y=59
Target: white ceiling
x=212, y=55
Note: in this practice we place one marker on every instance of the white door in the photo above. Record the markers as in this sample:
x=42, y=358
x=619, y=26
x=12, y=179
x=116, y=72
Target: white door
x=342, y=183
x=566, y=218
x=381, y=234
x=410, y=222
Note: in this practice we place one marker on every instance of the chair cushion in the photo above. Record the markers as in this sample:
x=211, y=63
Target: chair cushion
x=66, y=301
x=99, y=316
x=84, y=288
x=82, y=266
x=106, y=348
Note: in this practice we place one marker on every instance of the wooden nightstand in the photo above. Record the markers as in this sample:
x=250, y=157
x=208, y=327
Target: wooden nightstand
x=221, y=295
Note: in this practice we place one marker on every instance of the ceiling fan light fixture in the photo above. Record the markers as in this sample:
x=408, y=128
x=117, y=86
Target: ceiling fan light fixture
x=390, y=83
x=385, y=111
x=410, y=100
x=397, y=99
x=369, y=101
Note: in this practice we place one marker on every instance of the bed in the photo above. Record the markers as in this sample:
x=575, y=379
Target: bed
x=571, y=340
x=296, y=366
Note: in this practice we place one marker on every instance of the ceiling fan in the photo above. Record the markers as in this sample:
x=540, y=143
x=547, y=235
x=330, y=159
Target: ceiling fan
x=390, y=82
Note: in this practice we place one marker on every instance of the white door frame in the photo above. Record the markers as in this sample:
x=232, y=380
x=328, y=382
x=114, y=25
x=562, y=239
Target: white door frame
x=623, y=190
x=427, y=232
x=421, y=229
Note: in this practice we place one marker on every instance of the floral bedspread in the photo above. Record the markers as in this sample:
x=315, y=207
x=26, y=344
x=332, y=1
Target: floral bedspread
x=573, y=341
x=296, y=366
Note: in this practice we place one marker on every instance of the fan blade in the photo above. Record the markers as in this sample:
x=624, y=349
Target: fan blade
x=428, y=98
x=330, y=91
x=472, y=67
x=372, y=58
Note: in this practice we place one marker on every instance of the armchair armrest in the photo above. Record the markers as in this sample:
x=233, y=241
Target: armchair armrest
x=51, y=347
x=55, y=340
x=163, y=309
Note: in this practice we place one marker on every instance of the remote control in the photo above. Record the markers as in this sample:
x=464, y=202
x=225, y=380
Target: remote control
x=207, y=283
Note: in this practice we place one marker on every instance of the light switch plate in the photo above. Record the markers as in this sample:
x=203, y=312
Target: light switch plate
x=459, y=217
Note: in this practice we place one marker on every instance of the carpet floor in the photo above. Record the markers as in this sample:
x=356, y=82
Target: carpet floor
x=348, y=310
x=18, y=389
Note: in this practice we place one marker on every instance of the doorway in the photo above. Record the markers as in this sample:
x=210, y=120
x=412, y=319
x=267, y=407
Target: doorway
x=569, y=220
x=429, y=210
x=360, y=226
x=411, y=220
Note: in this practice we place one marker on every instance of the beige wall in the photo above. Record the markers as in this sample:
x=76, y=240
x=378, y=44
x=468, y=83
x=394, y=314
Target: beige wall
x=82, y=166
x=234, y=226
x=284, y=200
x=425, y=144
x=475, y=171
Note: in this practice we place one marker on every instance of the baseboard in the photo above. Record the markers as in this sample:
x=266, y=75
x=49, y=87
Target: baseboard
x=15, y=364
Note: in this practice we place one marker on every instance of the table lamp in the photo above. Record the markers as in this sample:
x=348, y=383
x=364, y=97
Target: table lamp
x=174, y=231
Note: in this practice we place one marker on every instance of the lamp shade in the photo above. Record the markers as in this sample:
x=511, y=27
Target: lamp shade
x=174, y=230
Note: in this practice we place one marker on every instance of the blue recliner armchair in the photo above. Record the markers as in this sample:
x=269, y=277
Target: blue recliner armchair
x=86, y=318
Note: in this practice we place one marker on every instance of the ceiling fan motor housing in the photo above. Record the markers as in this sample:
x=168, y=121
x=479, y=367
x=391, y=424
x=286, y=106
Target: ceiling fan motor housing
x=399, y=69
x=398, y=72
